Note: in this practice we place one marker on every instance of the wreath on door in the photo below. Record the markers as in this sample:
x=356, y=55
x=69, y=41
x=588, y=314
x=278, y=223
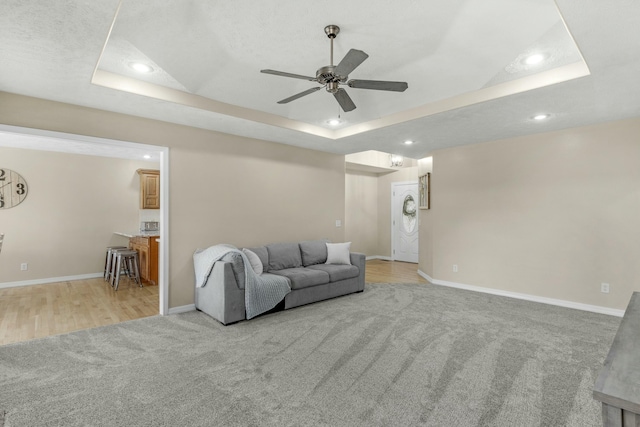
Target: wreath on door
x=409, y=210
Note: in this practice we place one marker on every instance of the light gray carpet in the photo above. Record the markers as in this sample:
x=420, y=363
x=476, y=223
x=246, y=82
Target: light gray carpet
x=395, y=355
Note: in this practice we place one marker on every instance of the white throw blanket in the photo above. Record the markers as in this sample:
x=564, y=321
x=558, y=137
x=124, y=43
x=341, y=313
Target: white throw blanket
x=261, y=293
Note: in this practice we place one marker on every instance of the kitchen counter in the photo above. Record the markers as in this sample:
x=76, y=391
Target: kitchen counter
x=137, y=234
x=146, y=244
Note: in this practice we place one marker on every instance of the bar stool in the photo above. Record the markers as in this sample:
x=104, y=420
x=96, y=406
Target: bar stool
x=112, y=266
x=125, y=261
x=108, y=267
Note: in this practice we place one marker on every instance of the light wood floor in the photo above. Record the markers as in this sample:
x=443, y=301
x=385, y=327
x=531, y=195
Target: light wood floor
x=29, y=312
x=379, y=271
x=37, y=311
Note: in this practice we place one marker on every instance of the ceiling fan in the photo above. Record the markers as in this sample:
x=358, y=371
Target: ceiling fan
x=332, y=76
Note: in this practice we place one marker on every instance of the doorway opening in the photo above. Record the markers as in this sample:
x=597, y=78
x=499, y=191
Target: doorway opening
x=42, y=140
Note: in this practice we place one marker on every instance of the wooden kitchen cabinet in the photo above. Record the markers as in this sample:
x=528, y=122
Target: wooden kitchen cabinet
x=147, y=249
x=149, y=188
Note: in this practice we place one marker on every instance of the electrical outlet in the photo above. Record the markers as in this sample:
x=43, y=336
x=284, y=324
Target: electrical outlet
x=604, y=288
x=455, y=268
x=24, y=266
x=338, y=223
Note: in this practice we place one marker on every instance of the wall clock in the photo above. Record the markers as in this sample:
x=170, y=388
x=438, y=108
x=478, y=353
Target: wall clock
x=13, y=188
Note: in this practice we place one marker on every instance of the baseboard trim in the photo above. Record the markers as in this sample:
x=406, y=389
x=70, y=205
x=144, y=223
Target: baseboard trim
x=534, y=298
x=385, y=258
x=50, y=280
x=182, y=309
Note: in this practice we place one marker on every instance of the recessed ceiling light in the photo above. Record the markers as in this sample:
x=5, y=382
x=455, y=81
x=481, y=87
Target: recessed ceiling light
x=140, y=67
x=541, y=116
x=534, y=59
x=147, y=156
x=408, y=142
x=334, y=122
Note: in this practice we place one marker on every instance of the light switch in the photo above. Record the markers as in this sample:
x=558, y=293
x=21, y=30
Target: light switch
x=338, y=223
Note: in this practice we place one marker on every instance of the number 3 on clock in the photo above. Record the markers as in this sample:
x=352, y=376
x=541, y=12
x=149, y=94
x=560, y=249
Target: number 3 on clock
x=13, y=188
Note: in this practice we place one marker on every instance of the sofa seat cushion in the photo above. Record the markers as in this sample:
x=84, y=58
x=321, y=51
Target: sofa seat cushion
x=337, y=272
x=303, y=277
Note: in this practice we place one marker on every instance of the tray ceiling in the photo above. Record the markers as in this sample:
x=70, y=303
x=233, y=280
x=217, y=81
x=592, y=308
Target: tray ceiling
x=208, y=55
x=464, y=62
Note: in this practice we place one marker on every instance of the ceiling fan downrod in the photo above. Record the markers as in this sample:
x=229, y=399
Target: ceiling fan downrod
x=331, y=31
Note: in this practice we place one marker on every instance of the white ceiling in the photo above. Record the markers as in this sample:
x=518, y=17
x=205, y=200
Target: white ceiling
x=463, y=62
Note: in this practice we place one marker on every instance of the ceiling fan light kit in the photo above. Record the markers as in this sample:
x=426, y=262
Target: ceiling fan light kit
x=332, y=76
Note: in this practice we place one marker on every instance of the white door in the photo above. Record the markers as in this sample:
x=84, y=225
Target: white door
x=404, y=214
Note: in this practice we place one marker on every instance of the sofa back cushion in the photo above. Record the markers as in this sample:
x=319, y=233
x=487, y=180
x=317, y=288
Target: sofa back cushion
x=283, y=255
x=313, y=252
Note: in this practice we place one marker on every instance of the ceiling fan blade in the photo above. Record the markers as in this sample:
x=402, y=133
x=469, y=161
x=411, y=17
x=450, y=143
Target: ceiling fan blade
x=378, y=85
x=350, y=62
x=283, y=74
x=299, y=95
x=344, y=100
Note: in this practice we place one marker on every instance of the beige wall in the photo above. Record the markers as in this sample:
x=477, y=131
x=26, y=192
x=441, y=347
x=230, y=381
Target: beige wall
x=552, y=215
x=425, y=231
x=227, y=189
x=223, y=188
x=361, y=212
x=74, y=205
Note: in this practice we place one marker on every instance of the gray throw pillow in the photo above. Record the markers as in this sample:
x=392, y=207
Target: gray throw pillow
x=254, y=260
x=261, y=251
x=284, y=255
x=314, y=252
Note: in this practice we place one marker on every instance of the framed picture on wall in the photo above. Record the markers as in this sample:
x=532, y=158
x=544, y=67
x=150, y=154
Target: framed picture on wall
x=424, y=183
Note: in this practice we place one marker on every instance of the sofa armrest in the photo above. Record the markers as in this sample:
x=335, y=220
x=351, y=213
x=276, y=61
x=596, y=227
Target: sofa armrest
x=220, y=297
x=359, y=260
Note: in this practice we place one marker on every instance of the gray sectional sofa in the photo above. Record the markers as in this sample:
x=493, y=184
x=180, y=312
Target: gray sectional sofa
x=303, y=264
